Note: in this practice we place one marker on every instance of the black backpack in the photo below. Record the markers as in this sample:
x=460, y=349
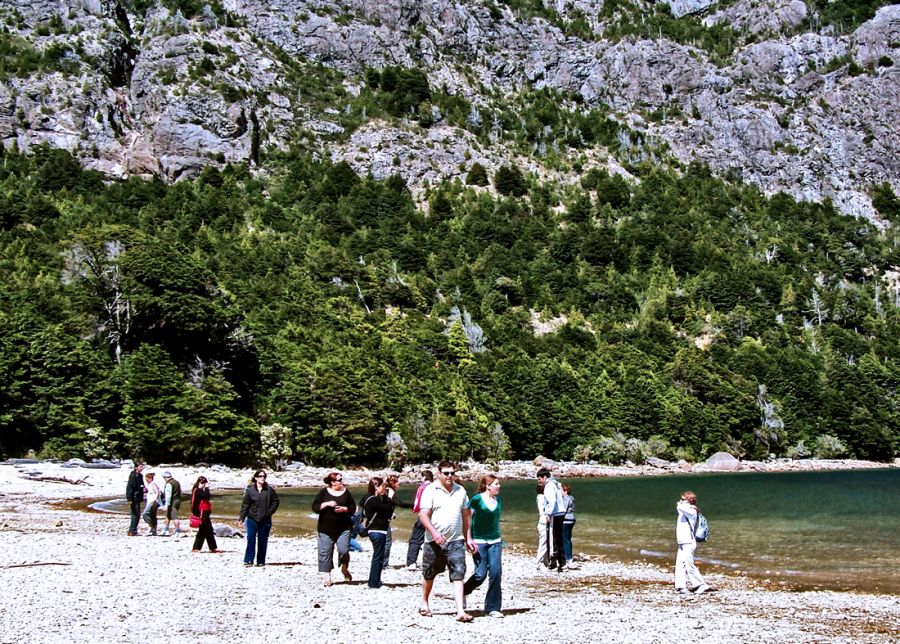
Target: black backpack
x=360, y=521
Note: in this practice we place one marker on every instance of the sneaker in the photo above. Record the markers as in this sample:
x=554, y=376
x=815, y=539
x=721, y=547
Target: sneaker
x=248, y=564
x=412, y=566
x=496, y=614
x=702, y=588
x=165, y=533
x=681, y=591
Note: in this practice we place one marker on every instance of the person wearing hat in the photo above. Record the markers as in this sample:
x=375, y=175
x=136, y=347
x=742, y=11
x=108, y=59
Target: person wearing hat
x=172, y=495
x=153, y=494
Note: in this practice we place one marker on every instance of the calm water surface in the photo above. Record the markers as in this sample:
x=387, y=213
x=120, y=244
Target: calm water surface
x=836, y=530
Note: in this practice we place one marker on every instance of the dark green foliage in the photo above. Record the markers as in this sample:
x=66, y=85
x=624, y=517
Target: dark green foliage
x=402, y=91
x=167, y=321
x=509, y=180
x=848, y=14
x=886, y=202
x=477, y=175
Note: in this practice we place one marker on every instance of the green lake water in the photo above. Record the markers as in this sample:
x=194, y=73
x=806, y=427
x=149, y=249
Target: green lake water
x=832, y=530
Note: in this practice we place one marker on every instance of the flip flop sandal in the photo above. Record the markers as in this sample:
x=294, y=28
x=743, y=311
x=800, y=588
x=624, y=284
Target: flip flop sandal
x=464, y=618
x=425, y=612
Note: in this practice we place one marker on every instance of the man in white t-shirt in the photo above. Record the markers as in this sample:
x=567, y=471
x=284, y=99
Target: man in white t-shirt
x=444, y=512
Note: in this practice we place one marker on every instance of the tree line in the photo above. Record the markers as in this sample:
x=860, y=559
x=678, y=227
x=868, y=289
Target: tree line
x=306, y=312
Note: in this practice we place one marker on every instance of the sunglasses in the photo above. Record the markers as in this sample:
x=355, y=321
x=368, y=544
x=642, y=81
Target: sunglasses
x=337, y=480
x=450, y=473
x=260, y=476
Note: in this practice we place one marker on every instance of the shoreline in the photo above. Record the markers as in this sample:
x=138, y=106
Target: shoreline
x=75, y=576
x=300, y=475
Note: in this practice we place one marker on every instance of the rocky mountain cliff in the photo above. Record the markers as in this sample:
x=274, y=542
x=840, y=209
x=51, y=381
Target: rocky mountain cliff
x=167, y=87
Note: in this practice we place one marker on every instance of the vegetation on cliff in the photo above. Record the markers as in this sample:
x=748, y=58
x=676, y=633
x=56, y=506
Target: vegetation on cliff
x=676, y=316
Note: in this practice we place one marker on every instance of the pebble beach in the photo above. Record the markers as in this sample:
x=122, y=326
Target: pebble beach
x=72, y=575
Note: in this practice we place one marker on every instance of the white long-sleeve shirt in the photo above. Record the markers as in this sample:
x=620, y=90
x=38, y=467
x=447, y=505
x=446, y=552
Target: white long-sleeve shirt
x=152, y=492
x=684, y=522
x=553, y=498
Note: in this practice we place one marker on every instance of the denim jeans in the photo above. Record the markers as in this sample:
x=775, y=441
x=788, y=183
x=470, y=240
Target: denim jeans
x=416, y=539
x=387, y=549
x=150, y=516
x=135, y=517
x=258, y=540
x=326, y=550
x=487, y=562
x=567, y=539
x=378, y=540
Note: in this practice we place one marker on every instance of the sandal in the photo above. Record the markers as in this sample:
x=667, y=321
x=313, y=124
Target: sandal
x=465, y=618
x=425, y=612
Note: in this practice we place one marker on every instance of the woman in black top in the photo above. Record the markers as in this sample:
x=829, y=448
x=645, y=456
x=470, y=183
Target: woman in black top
x=257, y=507
x=379, y=509
x=201, y=506
x=335, y=506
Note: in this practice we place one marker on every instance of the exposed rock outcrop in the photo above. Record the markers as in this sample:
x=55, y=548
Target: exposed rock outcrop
x=812, y=114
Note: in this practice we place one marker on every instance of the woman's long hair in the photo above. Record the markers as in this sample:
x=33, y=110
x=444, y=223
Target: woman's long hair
x=200, y=479
x=485, y=481
x=374, y=482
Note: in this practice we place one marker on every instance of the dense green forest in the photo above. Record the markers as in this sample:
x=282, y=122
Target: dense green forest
x=304, y=309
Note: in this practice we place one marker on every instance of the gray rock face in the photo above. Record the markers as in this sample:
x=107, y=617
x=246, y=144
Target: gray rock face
x=684, y=7
x=160, y=94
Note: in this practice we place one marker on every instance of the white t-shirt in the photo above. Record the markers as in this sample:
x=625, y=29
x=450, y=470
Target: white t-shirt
x=446, y=510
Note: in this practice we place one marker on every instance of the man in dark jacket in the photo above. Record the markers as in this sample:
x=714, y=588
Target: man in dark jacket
x=134, y=492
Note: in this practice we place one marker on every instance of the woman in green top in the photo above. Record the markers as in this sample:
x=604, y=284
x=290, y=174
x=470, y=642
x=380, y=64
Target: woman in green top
x=484, y=530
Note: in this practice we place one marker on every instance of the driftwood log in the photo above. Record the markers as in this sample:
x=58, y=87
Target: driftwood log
x=59, y=479
x=38, y=563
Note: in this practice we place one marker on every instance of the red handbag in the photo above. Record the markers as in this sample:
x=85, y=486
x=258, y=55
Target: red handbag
x=195, y=520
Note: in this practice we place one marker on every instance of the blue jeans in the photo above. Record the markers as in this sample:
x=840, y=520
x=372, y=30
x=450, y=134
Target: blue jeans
x=487, y=561
x=567, y=539
x=378, y=540
x=387, y=549
x=257, y=539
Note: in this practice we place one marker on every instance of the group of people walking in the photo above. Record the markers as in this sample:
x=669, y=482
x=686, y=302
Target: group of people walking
x=259, y=503
x=448, y=524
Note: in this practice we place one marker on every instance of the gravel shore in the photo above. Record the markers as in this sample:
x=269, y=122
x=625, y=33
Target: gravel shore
x=74, y=576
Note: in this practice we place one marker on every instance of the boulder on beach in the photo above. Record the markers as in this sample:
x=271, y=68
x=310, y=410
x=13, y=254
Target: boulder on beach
x=723, y=462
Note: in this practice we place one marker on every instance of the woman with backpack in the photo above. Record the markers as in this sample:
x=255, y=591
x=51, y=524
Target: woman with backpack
x=378, y=507
x=687, y=577
x=335, y=506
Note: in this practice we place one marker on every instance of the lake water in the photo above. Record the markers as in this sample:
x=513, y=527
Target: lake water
x=833, y=530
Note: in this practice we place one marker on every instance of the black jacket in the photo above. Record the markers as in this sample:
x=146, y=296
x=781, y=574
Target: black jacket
x=379, y=510
x=134, y=492
x=259, y=504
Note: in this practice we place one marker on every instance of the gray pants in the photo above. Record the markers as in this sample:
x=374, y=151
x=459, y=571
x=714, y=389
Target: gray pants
x=326, y=550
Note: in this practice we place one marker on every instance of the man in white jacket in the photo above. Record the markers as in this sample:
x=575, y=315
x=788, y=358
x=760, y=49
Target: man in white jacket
x=687, y=576
x=555, y=511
